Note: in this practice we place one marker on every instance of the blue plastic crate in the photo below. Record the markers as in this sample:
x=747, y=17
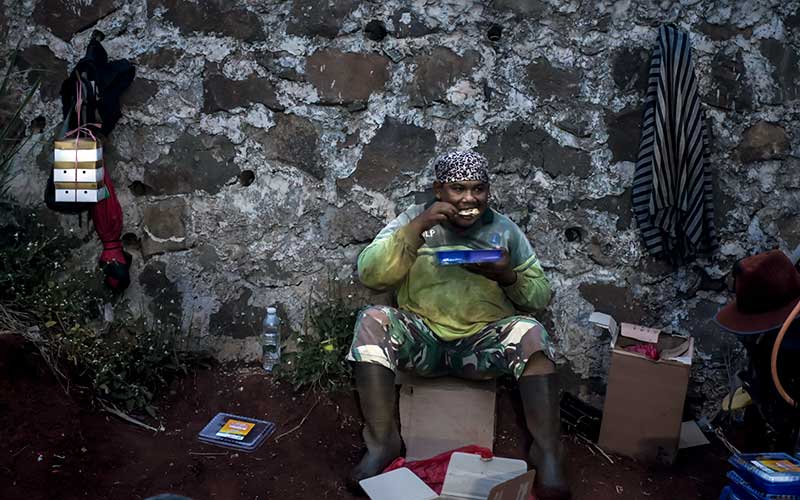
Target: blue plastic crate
x=747, y=491
x=458, y=257
x=769, y=473
x=729, y=494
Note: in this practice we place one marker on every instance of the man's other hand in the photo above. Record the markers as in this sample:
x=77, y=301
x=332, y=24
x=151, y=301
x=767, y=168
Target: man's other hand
x=499, y=271
x=435, y=214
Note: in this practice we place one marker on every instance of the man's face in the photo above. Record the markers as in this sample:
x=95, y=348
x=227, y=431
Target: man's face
x=466, y=196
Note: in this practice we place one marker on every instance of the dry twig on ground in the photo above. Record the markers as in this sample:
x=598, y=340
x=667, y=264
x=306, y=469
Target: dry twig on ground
x=301, y=422
x=110, y=408
x=594, y=446
x=12, y=321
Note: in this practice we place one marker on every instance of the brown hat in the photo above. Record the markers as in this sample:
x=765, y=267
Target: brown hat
x=767, y=288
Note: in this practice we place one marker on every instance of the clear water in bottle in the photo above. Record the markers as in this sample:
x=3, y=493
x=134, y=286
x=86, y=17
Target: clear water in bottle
x=270, y=340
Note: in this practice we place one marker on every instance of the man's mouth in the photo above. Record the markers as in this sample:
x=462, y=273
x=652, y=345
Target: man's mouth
x=469, y=212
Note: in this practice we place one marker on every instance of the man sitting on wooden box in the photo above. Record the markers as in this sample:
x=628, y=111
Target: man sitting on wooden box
x=458, y=319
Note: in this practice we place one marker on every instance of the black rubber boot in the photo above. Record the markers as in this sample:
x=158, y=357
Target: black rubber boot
x=375, y=385
x=539, y=395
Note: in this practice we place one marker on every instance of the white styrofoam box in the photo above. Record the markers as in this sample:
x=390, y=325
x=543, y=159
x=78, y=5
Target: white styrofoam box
x=399, y=484
x=66, y=195
x=79, y=155
x=91, y=195
x=470, y=476
x=89, y=174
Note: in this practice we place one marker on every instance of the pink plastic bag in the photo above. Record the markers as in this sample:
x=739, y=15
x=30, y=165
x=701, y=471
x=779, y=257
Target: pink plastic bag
x=648, y=350
x=433, y=470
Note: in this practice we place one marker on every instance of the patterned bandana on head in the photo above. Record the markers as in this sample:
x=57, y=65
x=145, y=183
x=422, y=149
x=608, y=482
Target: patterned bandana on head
x=457, y=166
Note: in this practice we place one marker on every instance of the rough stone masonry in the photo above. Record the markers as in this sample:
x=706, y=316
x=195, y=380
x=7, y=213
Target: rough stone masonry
x=263, y=144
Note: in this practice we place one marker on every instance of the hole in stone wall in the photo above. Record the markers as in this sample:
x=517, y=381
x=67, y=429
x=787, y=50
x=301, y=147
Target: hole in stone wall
x=573, y=234
x=375, y=30
x=130, y=239
x=38, y=124
x=246, y=177
x=494, y=33
x=139, y=188
x=355, y=107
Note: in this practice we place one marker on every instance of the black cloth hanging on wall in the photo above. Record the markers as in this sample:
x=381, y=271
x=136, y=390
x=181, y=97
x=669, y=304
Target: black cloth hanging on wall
x=672, y=188
x=105, y=82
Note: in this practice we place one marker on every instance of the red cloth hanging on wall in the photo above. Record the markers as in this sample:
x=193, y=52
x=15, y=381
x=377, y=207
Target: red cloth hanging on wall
x=107, y=217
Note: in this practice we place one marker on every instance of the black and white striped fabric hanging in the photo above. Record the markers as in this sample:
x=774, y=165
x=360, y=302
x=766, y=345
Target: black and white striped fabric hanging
x=672, y=188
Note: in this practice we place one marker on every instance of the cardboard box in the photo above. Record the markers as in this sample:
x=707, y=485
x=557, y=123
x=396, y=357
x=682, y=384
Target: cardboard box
x=445, y=413
x=82, y=150
x=468, y=477
x=643, y=409
x=86, y=192
x=78, y=173
x=89, y=194
x=88, y=171
x=66, y=194
x=64, y=171
x=86, y=174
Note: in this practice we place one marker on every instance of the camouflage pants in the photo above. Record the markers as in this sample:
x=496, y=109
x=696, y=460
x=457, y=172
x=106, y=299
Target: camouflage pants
x=400, y=339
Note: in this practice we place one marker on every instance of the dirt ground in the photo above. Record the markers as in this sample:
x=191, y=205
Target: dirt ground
x=52, y=447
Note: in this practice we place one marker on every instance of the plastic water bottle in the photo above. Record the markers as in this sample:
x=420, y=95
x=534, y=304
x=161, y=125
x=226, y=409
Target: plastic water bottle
x=270, y=340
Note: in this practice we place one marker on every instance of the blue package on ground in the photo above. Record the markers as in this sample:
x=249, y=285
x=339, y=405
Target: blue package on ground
x=747, y=491
x=235, y=432
x=770, y=473
x=458, y=257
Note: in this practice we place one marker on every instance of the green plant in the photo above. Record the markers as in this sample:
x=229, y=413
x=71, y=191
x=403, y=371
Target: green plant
x=34, y=286
x=33, y=277
x=122, y=364
x=124, y=367
x=319, y=360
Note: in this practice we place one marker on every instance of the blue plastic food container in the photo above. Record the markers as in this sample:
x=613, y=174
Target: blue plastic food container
x=458, y=257
x=747, y=491
x=261, y=429
x=770, y=473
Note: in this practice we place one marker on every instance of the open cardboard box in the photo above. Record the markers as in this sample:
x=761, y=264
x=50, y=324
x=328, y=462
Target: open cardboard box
x=468, y=477
x=643, y=409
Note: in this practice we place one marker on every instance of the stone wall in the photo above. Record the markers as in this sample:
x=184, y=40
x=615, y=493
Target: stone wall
x=264, y=143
